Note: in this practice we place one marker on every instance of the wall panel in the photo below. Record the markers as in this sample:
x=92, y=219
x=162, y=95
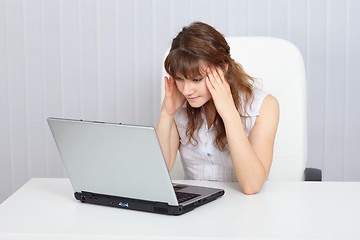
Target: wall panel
x=259, y=17
x=278, y=18
x=33, y=58
x=335, y=89
x=238, y=17
x=53, y=104
x=316, y=80
x=161, y=43
x=17, y=85
x=143, y=62
x=201, y=11
x=70, y=56
x=107, y=60
x=125, y=60
x=220, y=16
x=352, y=86
x=181, y=14
x=297, y=20
x=88, y=32
x=5, y=157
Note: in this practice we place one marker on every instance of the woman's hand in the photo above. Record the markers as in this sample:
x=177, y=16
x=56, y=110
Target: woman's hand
x=173, y=97
x=220, y=91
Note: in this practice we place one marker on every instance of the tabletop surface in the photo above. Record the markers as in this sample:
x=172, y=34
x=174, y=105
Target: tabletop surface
x=46, y=209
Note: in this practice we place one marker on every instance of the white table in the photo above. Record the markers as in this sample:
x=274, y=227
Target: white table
x=46, y=209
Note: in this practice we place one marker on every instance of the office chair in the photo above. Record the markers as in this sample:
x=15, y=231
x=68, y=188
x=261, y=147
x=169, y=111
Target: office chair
x=278, y=67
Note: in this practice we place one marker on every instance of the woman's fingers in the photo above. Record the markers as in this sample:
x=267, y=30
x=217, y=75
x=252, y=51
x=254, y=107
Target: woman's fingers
x=209, y=85
x=167, y=87
x=216, y=83
x=216, y=74
x=220, y=73
x=213, y=78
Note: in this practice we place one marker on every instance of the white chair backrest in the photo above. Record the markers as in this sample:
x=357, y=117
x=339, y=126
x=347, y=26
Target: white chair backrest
x=279, y=66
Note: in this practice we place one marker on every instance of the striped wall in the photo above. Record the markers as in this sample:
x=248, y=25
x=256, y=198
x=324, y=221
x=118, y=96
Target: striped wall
x=101, y=60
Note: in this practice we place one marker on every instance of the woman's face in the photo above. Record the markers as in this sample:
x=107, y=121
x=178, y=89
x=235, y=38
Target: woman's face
x=195, y=89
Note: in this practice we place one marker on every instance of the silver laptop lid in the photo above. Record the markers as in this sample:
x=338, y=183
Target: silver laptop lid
x=113, y=159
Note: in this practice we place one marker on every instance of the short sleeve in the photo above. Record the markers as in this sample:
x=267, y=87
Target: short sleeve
x=253, y=110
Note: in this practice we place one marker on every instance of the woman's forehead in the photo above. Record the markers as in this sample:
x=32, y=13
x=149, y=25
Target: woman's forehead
x=195, y=71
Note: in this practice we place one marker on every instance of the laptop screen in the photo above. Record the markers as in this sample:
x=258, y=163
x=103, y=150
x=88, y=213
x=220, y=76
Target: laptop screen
x=113, y=159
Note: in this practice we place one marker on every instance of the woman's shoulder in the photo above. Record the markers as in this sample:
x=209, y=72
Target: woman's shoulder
x=258, y=98
x=269, y=104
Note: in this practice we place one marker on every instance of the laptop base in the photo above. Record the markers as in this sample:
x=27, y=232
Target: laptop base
x=141, y=205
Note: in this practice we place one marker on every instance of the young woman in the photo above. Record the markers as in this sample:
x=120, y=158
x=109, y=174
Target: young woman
x=223, y=126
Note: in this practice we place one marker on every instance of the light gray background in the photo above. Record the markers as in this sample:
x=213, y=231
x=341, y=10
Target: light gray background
x=101, y=60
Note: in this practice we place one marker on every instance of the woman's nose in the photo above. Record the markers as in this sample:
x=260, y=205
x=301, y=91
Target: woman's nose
x=188, y=88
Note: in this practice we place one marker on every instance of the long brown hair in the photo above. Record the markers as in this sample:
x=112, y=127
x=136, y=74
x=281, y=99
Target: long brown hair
x=201, y=42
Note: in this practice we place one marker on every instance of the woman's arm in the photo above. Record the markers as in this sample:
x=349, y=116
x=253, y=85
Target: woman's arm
x=168, y=138
x=251, y=156
x=166, y=129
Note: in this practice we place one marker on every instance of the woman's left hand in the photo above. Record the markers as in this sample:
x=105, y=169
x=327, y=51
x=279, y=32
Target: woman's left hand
x=220, y=91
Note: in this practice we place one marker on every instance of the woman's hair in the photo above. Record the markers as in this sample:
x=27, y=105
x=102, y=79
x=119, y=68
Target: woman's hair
x=200, y=43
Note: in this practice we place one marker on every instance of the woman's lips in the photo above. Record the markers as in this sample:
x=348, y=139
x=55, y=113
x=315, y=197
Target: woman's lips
x=192, y=98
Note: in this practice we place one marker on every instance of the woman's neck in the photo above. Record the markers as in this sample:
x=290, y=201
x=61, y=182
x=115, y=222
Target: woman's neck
x=210, y=112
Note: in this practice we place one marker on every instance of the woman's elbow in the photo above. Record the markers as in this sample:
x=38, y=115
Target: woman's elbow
x=251, y=190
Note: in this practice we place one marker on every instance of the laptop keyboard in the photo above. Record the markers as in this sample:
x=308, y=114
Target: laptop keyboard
x=183, y=197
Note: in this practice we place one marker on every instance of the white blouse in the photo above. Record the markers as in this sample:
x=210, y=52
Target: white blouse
x=205, y=161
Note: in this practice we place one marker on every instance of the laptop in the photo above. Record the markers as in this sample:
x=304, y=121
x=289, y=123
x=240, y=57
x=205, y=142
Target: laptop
x=122, y=166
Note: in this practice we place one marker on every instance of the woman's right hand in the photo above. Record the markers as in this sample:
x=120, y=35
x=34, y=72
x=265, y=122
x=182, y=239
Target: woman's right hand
x=174, y=99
